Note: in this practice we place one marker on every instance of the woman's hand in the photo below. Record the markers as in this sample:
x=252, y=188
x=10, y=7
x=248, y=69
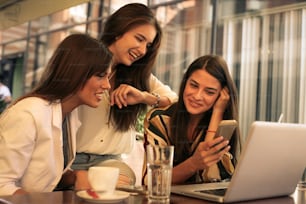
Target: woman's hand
x=81, y=182
x=209, y=153
x=126, y=95
x=223, y=100
x=20, y=192
x=123, y=180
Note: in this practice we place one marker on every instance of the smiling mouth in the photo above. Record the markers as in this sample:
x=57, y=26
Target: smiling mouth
x=100, y=95
x=194, y=104
x=134, y=56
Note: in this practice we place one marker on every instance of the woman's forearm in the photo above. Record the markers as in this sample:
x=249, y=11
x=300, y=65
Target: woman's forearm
x=183, y=171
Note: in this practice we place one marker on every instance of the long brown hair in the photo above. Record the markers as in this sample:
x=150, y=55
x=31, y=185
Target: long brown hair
x=136, y=75
x=217, y=67
x=77, y=58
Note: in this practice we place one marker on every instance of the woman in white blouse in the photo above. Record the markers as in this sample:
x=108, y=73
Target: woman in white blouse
x=33, y=129
x=133, y=35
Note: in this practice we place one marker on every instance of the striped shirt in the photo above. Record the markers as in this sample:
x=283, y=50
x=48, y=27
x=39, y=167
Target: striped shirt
x=157, y=132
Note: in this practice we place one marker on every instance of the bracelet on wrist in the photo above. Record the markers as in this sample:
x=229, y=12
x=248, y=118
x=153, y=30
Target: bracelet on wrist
x=156, y=104
x=211, y=131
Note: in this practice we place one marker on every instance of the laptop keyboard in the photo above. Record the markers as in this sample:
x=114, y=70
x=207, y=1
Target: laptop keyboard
x=219, y=192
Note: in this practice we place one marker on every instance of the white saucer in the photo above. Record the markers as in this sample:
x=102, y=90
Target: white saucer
x=115, y=197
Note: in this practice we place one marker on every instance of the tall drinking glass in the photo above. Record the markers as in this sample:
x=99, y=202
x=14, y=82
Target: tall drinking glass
x=159, y=166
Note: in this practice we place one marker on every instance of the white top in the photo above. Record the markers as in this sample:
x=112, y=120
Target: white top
x=31, y=155
x=4, y=91
x=96, y=136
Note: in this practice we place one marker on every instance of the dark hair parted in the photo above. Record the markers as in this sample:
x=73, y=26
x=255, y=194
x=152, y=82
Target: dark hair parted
x=77, y=58
x=217, y=67
x=136, y=75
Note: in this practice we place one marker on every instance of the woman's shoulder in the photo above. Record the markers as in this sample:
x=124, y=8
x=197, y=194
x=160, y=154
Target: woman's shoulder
x=157, y=123
x=161, y=112
x=31, y=105
x=25, y=109
x=156, y=86
x=32, y=102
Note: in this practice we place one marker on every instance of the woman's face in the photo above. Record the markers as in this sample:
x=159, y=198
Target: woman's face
x=91, y=94
x=133, y=44
x=201, y=92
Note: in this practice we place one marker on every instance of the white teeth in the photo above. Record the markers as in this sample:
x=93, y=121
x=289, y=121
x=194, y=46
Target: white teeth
x=194, y=104
x=135, y=56
x=100, y=95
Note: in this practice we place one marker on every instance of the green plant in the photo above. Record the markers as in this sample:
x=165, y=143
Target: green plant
x=139, y=123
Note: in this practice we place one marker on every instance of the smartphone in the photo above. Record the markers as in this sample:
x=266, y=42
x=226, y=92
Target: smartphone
x=226, y=129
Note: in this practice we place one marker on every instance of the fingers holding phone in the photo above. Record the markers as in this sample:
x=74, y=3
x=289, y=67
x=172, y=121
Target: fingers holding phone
x=219, y=146
x=210, y=152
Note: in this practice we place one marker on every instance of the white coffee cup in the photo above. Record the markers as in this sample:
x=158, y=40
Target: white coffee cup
x=103, y=179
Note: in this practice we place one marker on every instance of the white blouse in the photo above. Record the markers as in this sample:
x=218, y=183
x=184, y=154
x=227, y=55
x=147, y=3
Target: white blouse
x=31, y=155
x=96, y=136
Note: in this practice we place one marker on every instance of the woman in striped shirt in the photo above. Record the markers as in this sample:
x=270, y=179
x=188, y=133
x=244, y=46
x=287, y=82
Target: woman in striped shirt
x=207, y=96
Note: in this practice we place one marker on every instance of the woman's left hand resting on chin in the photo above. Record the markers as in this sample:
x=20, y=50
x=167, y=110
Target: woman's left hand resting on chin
x=217, y=115
x=222, y=101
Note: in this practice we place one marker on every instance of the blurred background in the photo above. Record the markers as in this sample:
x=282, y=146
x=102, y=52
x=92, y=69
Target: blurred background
x=263, y=41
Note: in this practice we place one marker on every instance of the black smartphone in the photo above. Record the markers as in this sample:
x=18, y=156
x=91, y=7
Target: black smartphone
x=226, y=129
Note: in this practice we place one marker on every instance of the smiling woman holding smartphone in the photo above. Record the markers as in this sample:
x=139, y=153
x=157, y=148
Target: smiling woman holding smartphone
x=207, y=96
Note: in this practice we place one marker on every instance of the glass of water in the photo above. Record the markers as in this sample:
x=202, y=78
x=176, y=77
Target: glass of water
x=159, y=166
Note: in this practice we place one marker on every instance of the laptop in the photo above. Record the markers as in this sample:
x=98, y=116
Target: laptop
x=271, y=164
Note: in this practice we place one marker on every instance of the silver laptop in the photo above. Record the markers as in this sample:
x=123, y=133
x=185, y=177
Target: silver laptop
x=272, y=162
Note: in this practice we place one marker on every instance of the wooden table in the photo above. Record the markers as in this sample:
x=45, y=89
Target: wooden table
x=70, y=197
